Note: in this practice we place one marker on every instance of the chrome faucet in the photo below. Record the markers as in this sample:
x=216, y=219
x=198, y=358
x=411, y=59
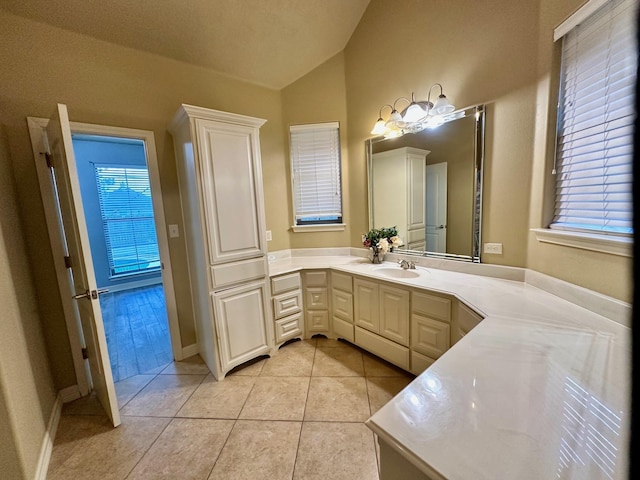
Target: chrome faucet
x=404, y=264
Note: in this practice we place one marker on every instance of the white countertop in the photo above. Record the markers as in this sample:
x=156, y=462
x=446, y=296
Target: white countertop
x=539, y=389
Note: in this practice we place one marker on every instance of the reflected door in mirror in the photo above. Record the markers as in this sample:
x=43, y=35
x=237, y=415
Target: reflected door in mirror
x=436, y=208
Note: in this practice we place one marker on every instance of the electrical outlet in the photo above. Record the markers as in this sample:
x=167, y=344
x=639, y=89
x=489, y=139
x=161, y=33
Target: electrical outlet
x=495, y=248
x=173, y=231
x=269, y=236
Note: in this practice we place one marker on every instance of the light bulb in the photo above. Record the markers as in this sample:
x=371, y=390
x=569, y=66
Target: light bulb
x=379, y=128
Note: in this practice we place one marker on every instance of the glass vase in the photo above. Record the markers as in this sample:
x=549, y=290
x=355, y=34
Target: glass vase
x=376, y=255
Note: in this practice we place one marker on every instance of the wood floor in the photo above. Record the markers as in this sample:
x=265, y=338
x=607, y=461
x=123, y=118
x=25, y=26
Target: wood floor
x=137, y=330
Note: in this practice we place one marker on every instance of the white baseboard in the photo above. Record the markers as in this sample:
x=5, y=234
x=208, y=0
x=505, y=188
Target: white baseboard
x=49, y=437
x=69, y=394
x=190, y=350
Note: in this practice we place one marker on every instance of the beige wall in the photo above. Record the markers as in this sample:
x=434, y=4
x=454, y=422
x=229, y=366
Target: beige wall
x=605, y=273
x=111, y=85
x=27, y=394
x=319, y=96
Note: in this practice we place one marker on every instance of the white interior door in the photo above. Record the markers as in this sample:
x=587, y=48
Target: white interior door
x=436, y=208
x=81, y=274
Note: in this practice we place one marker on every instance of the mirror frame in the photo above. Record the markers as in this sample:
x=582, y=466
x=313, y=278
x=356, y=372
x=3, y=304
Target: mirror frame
x=478, y=111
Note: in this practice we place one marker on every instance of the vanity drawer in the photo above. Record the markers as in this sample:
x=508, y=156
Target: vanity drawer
x=317, y=321
x=431, y=306
x=287, y=304
x=390, y=351
x=289, y=327
x=342, y=282
x=315, y=279
x=316, y=298
x=285, y=283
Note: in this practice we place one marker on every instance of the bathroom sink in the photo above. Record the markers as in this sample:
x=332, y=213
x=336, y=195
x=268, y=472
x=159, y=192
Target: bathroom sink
x=396, y=272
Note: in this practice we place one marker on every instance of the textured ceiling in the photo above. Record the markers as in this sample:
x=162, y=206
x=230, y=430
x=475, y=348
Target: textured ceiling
x=268, y=42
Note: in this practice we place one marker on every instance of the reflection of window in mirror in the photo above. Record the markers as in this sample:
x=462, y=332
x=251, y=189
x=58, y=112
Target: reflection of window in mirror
x=315, y=173
x=452, y=150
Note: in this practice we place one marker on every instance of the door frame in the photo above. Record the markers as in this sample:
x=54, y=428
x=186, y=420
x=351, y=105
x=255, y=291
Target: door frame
x=37, y=128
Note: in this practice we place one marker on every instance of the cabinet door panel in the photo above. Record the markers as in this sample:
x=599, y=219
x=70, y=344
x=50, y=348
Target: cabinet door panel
x=342, y=305
x=394, y=314
x=416, y=194
x=317, y=321
x=366, y=306
x=240, y=317
x=316, y=298
x=231, y=194
x=428, y=336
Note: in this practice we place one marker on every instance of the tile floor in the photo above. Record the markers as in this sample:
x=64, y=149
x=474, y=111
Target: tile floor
x=297, y=415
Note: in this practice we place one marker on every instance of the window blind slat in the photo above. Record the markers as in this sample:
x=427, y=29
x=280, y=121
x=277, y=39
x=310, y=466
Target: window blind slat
x=595, y=127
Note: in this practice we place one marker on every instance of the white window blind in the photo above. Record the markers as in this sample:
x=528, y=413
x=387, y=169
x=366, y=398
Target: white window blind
x=124, y=194
x=315, y=164
x=596, y=115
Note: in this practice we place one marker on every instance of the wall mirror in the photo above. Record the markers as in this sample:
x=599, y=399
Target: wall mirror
x=429, y=185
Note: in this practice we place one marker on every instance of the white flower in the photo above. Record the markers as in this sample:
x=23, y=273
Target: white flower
x=383, y=245
x=396, y=241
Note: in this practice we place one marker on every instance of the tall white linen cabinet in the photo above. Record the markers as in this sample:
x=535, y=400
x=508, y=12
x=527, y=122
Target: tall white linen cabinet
x=220, y=178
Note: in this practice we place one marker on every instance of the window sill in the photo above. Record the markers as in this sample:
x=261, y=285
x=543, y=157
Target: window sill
x=328, y=227
x=611, y=244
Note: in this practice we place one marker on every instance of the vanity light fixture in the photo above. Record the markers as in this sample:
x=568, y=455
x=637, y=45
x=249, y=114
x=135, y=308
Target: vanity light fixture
x=417, y=116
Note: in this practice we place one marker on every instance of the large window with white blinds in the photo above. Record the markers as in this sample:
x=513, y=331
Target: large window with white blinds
x=595, y=120
x=315, y=170
x=124, y=194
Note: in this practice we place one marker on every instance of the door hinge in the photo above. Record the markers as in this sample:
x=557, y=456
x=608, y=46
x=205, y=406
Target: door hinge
x=49, y=159
x=67, y=261
x=85, y=354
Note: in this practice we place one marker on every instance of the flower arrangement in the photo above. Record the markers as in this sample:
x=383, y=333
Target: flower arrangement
x=381, y=240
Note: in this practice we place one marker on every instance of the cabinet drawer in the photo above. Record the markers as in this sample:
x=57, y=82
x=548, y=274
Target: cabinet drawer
x=428, y=336
x=316, y=298
x=432, y=306
x=287, y=304
x=419, y=363
x=285, y=283
x=342, y=305
x=315, y=279
x=342, y=329
x=390, y=351
x=289, y=327
x=341, y=282
x=317, y=320
x=226, y=274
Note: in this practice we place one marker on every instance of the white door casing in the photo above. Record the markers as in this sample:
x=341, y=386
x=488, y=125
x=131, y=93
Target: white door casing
x=436, y=208
x=81, y=276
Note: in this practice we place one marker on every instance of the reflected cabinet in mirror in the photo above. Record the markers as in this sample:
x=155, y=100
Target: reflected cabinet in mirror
x=429, y=185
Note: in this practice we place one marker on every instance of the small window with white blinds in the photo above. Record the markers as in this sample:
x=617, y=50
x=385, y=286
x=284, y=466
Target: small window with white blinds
x=594, y=149
x=315, y=170
x=124, y=194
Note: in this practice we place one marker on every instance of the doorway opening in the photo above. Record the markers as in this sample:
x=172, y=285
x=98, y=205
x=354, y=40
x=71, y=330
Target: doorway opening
x=117, y=201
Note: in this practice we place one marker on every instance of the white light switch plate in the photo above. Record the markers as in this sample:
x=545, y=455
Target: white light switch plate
x=493, y=248
x=269, y=236
x=173, y=231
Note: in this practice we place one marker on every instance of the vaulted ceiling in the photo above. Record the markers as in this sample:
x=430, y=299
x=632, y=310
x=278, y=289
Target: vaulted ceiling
x=267, y=42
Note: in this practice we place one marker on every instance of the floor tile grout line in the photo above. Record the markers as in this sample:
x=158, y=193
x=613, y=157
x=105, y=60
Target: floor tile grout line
x=150, y=446
x=306, y=400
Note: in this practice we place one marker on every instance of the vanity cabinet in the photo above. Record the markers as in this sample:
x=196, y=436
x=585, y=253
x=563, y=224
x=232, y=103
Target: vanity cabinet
x=430, y=329
x=342, y=306
x=381, y=314
x=286, y=293
x=220, y=180
x=316, y=302
x=403, y=172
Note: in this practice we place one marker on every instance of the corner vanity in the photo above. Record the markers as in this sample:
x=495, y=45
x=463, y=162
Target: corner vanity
x=512, y=381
